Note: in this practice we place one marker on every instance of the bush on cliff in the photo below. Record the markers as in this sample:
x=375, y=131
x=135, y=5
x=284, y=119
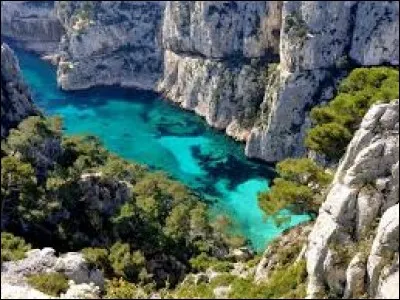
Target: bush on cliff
x=336, y=122
x=117, y=201
x=13, y=247
x=299, y=188
x=49, y=283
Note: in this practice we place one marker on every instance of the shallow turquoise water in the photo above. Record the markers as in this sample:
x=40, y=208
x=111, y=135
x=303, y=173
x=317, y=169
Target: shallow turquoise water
x=140, y=126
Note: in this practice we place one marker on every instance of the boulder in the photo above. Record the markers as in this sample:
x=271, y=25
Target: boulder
x=74, y=266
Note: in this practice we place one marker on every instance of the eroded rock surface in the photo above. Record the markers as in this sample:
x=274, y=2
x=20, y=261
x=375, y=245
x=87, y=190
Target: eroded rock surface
x=85, y=282
x=355, y=237
x=16, y=100
x=216, y=59
x=32, y=24
x=110, y=43
x=319, y=41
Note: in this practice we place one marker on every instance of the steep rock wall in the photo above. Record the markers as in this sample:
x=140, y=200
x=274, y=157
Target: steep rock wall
x=110, y=42
x=16, y=100
x=33, y=24
x=319, y=42
x=217, y=56
x=353, y=249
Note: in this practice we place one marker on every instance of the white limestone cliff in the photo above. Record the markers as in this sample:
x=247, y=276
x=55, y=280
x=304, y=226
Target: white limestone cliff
x=355, y=239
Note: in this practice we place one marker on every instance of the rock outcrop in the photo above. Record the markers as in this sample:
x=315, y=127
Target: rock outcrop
x=286, y=249
x=72, y=264
x=353, y=249
x=103, y=194
x=85, y=282
x=16, y=100
x=110, y=43
x=32, y=24
x=253, y=69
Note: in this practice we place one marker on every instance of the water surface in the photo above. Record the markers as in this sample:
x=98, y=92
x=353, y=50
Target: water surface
x=142, y=127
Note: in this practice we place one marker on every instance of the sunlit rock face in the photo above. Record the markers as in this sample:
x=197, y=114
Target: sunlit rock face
x=353, y=249
x=217, y=56
x=319, y=42
x=16, y=101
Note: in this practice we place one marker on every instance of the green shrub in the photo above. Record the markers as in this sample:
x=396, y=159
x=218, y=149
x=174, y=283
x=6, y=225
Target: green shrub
x=122, y=289
x=98, y=258
x=282, y=283
x=303, y=171
x=254, y=261
x=222, y=266
x=161, y=216
x=330, y=139
x=296, y=24
x=336, y=122
x=122, y=170
x=200, y=291
x=126, y=263
x=49, y=283
x=203, y=261
x=13, y=247
x=299, y=188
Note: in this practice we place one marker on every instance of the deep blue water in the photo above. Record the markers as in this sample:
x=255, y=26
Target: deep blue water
x=142, y=127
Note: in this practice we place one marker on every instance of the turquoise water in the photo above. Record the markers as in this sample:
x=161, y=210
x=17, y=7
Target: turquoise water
x=140, y=126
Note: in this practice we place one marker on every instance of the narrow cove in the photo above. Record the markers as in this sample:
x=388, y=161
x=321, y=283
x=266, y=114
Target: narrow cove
x=139, y=126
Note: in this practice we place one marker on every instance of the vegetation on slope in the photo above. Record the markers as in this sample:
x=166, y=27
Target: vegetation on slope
x=299, y=188
x=124, y=216
x=13, y=247
x=49, y=283
x=286, y=282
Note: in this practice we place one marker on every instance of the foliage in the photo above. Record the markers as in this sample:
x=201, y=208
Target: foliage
x=97, y=258
x=21, y=198
x=203, y=262
x=283, y=283
x=122, y=289
x=126, y=263
x=287, y=282
x=200, y=291
x=299, y=188
x=336, y=122
x=13, y=247
x=122, y=170
x=49, y=283
x=123, y=214
x=31, y=135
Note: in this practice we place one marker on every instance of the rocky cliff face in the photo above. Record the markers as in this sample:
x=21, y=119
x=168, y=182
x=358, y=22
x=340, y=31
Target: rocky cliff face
x=353, y=249
x=109, y=42
x=16, y=101
x=319, y=42
x=216, y=59
x=254, y=69
x=33, y=24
